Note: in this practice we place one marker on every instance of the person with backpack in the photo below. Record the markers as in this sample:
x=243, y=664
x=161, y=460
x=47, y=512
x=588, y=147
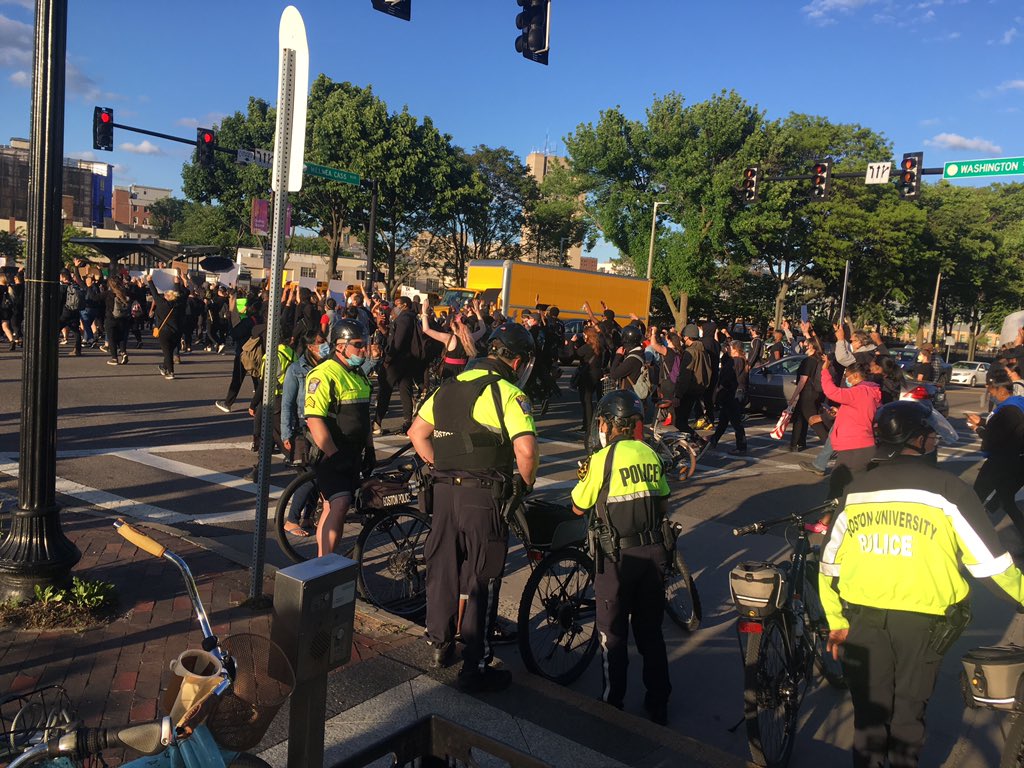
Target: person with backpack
x=629, y=367
x=117, y=315
x=241, y=333
x=694, y=378
x=402, y=360
x=70, y=317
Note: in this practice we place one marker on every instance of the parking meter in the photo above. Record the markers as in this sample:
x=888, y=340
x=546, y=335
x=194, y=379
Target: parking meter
x=314, y=616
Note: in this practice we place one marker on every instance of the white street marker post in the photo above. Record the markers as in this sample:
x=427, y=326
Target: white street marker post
x=289, y=148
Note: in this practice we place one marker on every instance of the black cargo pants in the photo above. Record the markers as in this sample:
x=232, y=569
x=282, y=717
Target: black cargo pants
x=891, y=672
x=464, y=551
x=632, y=591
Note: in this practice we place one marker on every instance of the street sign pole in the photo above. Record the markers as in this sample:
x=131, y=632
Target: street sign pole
x=842, y=303
x=289, y=146
x=371, y=238
x=935, y=308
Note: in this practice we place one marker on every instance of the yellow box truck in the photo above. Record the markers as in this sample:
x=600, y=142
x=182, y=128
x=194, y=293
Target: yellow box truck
x=518, y=284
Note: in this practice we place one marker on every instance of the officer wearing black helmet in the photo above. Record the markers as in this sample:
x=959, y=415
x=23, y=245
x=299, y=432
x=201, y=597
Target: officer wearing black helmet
x=477, y=431
x=623, y=488
x=893, y=555
x=338, y=419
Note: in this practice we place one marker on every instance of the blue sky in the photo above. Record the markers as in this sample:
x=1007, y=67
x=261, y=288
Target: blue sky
x=942, y=76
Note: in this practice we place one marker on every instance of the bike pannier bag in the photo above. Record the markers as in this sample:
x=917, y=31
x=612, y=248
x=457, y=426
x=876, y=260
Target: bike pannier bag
x=992, y=676
x=758, y=589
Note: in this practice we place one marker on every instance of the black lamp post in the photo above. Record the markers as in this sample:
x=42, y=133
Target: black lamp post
x=35, y=550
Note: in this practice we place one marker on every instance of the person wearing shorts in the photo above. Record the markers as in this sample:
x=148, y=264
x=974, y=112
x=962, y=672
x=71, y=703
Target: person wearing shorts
x=337, y=409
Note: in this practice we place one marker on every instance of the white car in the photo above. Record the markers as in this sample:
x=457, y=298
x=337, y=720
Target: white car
x=971, y=374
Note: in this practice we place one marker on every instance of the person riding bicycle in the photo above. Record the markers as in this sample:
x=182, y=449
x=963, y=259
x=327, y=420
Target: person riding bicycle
x=623, y=488
x=893, y=554
x=338, y=419
x=477, y=431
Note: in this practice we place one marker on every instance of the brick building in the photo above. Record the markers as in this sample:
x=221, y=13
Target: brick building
x=131, y=205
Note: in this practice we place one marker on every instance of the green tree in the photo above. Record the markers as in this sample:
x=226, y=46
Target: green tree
x=165, y=214
x=71, y=251
x=10, y=245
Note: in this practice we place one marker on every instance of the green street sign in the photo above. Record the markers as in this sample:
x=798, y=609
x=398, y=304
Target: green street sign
x=972, y=169
x=333, y=174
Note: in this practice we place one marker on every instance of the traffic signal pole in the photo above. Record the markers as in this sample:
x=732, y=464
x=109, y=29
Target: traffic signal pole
x=35, y=550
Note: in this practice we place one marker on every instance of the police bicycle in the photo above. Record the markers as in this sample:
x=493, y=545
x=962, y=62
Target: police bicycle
x=221, y=714
x=783, y=634
x=389, y=547
x=557, y=619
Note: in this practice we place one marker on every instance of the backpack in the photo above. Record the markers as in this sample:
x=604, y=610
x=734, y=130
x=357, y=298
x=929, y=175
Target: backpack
x=252, y=356
x=120, y=309
x=74, y=298
x=642, y=386
x=136, y=310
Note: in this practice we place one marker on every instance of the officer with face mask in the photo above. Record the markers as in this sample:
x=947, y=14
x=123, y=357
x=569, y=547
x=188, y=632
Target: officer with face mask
x=623, y=488
x=338, y=418
x=477, y=431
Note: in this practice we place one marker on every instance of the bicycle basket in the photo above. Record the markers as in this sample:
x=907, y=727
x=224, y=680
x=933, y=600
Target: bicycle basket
x=263, y=681
x=378, y=494
x=992, y=677
x=33, y=717
x=540, y=519
x=758, y=589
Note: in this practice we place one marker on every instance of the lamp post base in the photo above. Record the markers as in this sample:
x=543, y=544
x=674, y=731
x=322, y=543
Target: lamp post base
x=35, y=552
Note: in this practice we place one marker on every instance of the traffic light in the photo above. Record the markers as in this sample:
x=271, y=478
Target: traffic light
x=400, y=9
x=533, y=22
x=821, y=183
x=103, y=128
x=751, y=179
x=909, y=183
x=206, y=140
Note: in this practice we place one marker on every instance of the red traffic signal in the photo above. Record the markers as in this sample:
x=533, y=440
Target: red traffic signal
x=910, y=175
x=103, y=128
x=206, y=141
x=821, y=181
x=533, y=23
x=751, y=179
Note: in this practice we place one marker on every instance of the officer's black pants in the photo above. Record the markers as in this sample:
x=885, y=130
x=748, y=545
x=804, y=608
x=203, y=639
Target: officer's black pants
x=633, y=591
x=1003, y=479
x=466, y=535
x=891, y=672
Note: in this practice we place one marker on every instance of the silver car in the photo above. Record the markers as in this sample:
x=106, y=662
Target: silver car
x=971, y=374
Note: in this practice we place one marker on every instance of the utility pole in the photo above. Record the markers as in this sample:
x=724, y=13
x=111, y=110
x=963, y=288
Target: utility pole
x=654, y=226
x=371, y=236
x=35, y=550
x=935, y=307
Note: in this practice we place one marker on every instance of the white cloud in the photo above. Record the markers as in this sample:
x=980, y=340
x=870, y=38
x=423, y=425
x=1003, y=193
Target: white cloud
x=1008, y=36
x=15, y=43
x=822, y=11
x=208, y=120
x=145, y=147
x=1011, y=85
x=188, y=122
x=21, y=78
x=956, y=141
x=930, y=121
x=86, y=154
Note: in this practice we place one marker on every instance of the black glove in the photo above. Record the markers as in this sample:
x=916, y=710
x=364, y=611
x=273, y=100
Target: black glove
x=519, y=486
x=369, y=462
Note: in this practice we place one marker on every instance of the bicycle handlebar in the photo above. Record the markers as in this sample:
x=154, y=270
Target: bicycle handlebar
x=147, y=739
x=139, y=539
x=763, y=526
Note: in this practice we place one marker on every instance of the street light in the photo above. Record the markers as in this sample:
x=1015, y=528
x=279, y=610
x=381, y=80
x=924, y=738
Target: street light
x=654, y=225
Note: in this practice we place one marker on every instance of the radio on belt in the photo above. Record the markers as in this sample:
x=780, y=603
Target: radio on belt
x=314, y=614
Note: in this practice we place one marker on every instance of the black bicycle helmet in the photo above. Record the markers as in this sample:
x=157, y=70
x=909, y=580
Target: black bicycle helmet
x=347, y=330
x=899, y=422
x=632, y=337
x=510, y=341
x=620, y=407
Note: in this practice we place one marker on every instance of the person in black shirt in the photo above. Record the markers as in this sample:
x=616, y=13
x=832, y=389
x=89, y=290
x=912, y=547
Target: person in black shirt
x=588, y=378
x=1002, y=440
x=629, y=358
x=922, y=371
x=732, y=376
x=806, y=400
x=777, y=350
x=755, y=354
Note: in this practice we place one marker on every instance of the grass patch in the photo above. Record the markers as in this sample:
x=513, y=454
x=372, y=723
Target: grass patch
x=85, y=604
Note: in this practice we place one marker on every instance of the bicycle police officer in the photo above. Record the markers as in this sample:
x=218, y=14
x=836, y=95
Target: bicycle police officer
x=338, y=418
x=892, y=554
x=623, y=486
x=476, y=430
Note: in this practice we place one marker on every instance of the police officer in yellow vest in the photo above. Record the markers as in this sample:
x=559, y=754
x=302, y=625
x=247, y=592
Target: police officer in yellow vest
x=338, y=419
x=623, y=488
x=477, y=431
x=893, y=556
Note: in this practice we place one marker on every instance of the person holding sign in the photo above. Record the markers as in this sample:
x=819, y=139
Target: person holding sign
x=169, y=308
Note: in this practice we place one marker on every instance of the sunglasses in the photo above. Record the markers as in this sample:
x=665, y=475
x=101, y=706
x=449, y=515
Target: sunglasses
x=356, y=344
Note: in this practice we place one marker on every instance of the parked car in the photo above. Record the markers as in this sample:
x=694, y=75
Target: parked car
x=907, y=359
x=971, y=374
x=771, y=386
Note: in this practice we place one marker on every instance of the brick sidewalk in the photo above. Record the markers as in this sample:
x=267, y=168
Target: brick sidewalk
x=114, y=673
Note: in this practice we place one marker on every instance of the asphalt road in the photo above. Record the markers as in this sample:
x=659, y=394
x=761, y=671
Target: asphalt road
x=158, y=450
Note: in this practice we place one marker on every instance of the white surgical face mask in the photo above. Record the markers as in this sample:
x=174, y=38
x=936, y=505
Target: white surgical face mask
x=603, y=438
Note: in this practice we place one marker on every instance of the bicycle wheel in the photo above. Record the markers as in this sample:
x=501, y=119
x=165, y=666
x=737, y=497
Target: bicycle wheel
x=770, y=695
x=682, y=601
x=303, y=496
x=1013, y=749
x=686, y=459
x=558, y=617
x=392, y=567
x=817, y=625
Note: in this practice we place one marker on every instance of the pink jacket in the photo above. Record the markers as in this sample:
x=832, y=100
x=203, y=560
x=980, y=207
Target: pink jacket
x=853, y=428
